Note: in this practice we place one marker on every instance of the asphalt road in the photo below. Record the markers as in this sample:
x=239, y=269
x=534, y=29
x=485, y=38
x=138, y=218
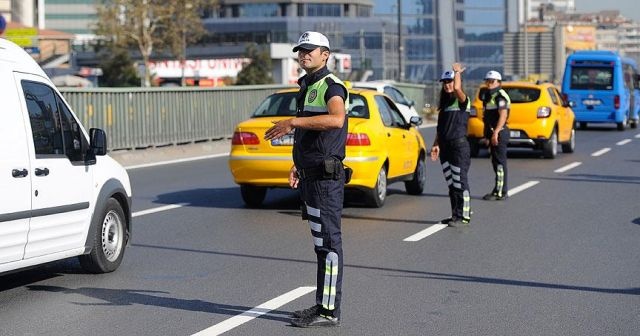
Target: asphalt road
x=560, y=257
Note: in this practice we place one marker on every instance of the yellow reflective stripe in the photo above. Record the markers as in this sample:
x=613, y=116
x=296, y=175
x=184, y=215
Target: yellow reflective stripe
x=331, y=270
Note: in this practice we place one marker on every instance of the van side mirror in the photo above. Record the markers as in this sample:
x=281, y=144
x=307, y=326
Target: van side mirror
x=98, y=141
x=415, y=120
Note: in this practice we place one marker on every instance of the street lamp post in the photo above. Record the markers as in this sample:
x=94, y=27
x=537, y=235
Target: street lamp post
x=400, y=44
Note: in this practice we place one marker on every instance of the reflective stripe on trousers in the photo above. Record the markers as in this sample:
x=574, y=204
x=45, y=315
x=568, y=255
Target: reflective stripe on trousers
x=323, y=200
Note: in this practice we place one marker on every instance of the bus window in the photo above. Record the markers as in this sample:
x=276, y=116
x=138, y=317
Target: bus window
x=591, y=78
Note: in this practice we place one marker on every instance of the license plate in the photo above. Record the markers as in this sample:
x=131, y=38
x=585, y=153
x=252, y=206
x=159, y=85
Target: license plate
x=591, y=102
x=514, y=134
x=286, y=140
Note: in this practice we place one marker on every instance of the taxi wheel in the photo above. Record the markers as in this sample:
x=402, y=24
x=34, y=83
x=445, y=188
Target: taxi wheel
x=253, y=196
x=570, y=146
x=377, y=195
x=550, y=147
x=416, y=185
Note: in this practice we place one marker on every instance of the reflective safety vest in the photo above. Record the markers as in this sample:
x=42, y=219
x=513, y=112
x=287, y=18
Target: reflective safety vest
x=452, y=124
x=491, y=108
x=313, y=147
x=314, y=99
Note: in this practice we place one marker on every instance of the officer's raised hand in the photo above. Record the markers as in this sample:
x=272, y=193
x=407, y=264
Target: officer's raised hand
x=279, y=129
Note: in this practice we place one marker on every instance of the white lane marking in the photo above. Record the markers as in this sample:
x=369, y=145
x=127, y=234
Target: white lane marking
x=637, y=136
x=426, y=232
x=161, y=163
x=520, y=188
x=158, y=209
x=249, y=315
x=600, y=152
x=567, y=167
x=623, y=142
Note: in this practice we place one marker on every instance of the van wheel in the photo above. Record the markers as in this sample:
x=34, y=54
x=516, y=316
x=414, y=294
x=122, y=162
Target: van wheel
x=570, y=146
x=416, y=185
x=108, y=243
x=253, y=196
x=377, y=195
x=550, y=147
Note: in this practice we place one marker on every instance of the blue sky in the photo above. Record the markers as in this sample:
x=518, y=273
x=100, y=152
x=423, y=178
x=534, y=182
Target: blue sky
x=628, y=8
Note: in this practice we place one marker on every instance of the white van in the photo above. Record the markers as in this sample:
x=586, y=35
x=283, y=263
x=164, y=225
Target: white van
x=61, y=195
x=404, y=104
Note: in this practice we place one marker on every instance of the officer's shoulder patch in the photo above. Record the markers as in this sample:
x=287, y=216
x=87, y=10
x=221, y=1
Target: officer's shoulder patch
x=312, y=95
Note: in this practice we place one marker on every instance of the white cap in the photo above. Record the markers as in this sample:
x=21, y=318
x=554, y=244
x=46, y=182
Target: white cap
x=310, y=40
x=493, y=75
x=447, y=75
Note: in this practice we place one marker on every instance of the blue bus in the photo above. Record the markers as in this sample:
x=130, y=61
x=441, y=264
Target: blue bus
x=602, y=87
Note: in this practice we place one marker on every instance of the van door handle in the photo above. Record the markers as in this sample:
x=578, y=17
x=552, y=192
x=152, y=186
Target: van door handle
x=19, y=173
x=42, y=172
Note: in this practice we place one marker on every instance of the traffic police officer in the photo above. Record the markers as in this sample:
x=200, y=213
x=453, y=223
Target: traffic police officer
x=452, y=146
x=319, y=148
x=496, y=104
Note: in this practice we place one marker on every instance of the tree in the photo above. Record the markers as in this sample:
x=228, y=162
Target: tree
x=118, y=69
x=150, y=25
x=259, y=70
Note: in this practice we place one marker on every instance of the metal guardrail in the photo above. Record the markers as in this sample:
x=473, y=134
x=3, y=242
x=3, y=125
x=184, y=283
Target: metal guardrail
x=148, y=117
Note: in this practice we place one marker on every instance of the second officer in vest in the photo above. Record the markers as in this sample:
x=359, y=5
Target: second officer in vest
x=451, y=144
x=319, y=148
x=496, y=104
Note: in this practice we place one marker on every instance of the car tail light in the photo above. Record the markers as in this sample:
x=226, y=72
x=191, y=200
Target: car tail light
x=358, y=139
x=616, y=101
x=244, y=138
x=473, y=112
x=544, y=112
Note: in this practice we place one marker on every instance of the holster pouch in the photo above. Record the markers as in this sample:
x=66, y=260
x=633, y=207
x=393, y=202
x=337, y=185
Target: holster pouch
x=332, y=169
x=347, y=174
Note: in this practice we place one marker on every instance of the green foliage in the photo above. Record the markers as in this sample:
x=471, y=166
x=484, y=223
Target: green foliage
x=259, y=70
x=151, y=25
x=118, y=69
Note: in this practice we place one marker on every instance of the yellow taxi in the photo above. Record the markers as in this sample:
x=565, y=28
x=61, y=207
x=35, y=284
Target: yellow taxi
x=540, y=118
x=381, y=148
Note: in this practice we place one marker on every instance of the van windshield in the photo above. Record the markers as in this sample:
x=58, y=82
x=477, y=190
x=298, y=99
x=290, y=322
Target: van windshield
x=591, y=78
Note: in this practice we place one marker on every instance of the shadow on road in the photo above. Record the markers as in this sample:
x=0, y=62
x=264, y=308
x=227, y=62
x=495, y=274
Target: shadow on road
x=127, y=297
x=596, y=178
x=419, y=274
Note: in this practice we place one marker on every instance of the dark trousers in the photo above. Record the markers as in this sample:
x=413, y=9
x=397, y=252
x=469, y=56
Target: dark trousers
x=323, y=200
x=455, y=158
x=499, y=162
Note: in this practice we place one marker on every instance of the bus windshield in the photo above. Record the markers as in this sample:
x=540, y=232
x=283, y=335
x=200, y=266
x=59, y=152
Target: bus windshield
x=591, y=78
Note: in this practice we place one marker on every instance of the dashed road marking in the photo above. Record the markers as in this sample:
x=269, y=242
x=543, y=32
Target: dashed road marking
x=567, y=167
x=600, y=152
x=258, y=311
x=158, y=209
x=637, y=136
x=425, y=233
x=522, y=187
x=623, y=142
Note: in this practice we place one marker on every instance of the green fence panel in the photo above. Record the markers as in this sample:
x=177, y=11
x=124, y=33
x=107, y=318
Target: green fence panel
x=147, y=117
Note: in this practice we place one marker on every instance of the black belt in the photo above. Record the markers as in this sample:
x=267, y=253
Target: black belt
x=309, y=173
x=456, y=141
